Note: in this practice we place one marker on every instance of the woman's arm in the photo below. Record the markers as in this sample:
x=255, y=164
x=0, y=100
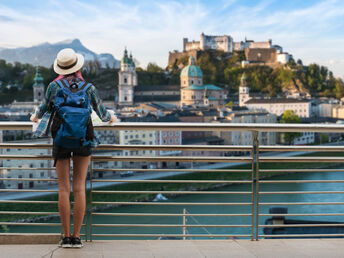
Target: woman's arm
x=97, y=104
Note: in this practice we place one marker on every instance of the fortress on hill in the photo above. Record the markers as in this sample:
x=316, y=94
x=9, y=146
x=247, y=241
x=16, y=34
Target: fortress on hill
x=257, y=53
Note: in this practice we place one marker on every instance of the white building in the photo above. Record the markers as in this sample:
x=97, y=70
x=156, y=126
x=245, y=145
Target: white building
x=35, y=169
x=245, y=137
x=244, y=91
x=127, y=80
x=305, y=138
x=278, y=106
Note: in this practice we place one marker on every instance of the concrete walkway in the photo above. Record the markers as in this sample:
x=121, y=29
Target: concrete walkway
x=186, y=249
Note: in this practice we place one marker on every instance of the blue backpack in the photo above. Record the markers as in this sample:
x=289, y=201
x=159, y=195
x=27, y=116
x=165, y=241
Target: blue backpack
x=73, y=108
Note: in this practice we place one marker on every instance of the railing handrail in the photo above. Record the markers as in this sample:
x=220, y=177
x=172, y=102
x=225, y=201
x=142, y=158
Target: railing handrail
x=258, y=127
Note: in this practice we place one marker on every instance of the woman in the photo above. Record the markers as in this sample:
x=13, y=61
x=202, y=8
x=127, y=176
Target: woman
x=68, y=65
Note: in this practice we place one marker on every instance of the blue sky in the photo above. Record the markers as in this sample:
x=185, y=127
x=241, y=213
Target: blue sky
x=309, y=30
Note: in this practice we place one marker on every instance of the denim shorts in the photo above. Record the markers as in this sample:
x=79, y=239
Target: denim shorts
x=64, y=153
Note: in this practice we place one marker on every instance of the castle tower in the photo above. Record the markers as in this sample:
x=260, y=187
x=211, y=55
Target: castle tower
x=127, y=80
x=38, y=86
x=244, y=91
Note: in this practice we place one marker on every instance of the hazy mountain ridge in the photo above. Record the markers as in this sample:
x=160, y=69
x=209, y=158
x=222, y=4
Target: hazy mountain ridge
x=45, y=53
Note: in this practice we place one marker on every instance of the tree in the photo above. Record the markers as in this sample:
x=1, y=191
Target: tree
x=289, y=117
x=154, y=68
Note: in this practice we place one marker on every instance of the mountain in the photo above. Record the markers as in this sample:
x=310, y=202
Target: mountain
x=44, y=54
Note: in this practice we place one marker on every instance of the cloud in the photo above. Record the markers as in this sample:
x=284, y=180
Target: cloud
x=152, y=28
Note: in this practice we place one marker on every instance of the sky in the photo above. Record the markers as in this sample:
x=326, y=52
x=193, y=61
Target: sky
x=309, y=30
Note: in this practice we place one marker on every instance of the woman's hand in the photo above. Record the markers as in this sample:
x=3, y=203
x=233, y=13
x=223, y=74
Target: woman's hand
x=113, y=119
x=34, y=118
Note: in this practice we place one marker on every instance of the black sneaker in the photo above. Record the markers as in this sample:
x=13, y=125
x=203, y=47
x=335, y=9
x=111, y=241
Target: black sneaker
x=66, y=242
x=76, y=242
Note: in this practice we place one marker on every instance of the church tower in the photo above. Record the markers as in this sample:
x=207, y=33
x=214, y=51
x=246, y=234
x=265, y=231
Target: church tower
x=38, y=86
x=244, y=91
x=127, y=80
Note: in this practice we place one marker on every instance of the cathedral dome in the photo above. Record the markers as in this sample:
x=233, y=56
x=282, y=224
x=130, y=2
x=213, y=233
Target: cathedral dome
x=191, y=70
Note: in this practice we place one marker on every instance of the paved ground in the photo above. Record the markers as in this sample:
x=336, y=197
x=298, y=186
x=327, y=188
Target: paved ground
x=273, y=248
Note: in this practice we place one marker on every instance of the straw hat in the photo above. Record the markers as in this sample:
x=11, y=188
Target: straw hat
x=67, y=62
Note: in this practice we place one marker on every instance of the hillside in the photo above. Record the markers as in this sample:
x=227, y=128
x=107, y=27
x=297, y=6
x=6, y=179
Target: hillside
x=225, y=70
x=44, y=54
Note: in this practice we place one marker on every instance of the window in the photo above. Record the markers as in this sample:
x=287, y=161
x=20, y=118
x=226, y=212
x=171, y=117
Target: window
x=131, y=137
x=150, y=135
x=42, y=174
x=125, y=80
x=192, y=82
x=143, y=135
x=144, y=152
x=136, y=136
x=170, y=133
x=150, y=143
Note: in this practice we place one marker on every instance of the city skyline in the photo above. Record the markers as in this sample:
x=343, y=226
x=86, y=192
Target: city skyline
x=309, y=30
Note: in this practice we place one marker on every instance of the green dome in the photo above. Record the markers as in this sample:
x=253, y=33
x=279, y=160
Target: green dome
x=125, y=59
x=191, y=70
x=131, y=60
x=38, y=80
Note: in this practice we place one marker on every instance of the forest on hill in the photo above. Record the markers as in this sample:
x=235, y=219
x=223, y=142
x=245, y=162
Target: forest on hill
x=221, y=69
x=218, y=68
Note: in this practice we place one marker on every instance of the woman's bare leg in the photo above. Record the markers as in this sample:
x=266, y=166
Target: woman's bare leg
x=80, y=165
x=62, y=170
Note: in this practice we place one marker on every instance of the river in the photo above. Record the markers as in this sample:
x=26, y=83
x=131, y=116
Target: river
x=221, y=209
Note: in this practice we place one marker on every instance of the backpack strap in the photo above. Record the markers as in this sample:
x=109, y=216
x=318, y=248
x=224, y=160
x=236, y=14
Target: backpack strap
x=85, y=86
x=62, y=84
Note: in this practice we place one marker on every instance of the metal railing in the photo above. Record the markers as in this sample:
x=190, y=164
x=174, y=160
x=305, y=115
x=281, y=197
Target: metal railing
x=254, y=179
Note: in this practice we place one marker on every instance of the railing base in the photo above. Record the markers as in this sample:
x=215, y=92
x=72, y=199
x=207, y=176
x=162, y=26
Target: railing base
x=27, y=239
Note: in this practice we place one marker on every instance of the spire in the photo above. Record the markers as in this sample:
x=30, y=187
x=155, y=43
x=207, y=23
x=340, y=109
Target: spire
x=191, y=60
x=243, y=82
x=125, y=52
x=38, y=80
x=131, y=55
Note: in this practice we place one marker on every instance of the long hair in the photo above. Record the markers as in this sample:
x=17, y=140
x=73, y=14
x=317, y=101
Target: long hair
x=76, y=74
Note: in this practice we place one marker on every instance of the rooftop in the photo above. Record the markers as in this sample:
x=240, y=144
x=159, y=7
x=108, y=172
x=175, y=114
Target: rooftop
x=276, y=100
